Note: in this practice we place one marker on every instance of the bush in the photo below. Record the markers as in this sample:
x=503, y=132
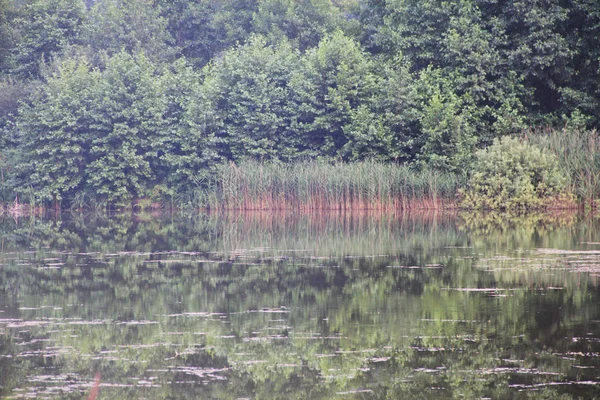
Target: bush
x=511, y=174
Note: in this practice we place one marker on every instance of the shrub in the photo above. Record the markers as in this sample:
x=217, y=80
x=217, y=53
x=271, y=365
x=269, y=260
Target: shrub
x=513, y=174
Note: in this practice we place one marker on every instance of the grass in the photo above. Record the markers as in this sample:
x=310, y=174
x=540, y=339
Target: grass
x=368, y=185
x=578, y=152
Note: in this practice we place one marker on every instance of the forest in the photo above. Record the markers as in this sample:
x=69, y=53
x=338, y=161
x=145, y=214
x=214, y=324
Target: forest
x=109, y=102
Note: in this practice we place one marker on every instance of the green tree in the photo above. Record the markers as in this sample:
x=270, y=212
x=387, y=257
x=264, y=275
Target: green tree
x=396, y=104
x=249, y=90
x=303, y=22
x=12, y=93
x=187, y=146
x=7, y=13
x=580, y=95
x=333, y=90
x=128, y=25
x=115, y=133
x=204, y=28
x=447, y=124
x=127, y=117
x=53, y=133
x=533, y=43
x=44, y=28
x=516, y=60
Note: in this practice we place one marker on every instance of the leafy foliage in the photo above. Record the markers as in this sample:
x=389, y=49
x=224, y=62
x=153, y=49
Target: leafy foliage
x=249, y=88
x=6, y=33
x=202, y=29
x=511, y=174
x=337, y=82
x=111, y=131
x=133, y=26
x=53, y=132
x=45, y=27
x=177, y=87
x=303, y=22
x=447, y=124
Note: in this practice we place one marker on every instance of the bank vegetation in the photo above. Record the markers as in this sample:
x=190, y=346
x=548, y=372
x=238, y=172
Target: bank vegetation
x=288, y=104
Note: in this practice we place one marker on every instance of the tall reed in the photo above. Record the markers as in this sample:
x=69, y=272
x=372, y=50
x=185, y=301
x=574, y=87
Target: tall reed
x=313, y=185
x=579, y=154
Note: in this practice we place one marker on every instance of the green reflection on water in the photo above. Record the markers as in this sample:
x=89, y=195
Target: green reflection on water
x=301, y=306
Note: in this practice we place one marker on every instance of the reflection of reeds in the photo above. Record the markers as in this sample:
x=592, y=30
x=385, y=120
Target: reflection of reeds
x=17, y=209
x=366, y=185
x=359, y=233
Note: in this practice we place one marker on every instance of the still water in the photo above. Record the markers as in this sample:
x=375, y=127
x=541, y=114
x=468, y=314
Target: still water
x=261, y=306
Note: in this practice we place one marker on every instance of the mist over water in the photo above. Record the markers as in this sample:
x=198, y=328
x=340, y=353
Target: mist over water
x=319, y=306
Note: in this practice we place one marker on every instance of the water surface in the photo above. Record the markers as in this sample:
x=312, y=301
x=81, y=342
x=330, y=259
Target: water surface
x=320, y=306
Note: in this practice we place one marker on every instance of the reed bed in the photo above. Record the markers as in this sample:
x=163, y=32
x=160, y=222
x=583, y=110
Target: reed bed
x=578, y=152
x=367, y=185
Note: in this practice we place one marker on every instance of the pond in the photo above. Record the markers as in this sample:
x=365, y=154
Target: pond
x=300, y=306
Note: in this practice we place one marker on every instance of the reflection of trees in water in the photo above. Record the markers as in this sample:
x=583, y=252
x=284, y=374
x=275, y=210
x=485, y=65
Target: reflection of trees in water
x=385, y=316
x=488, y=223
x=12, y=373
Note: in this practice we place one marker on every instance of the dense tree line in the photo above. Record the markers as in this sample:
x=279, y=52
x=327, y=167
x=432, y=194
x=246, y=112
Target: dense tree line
x=132, y=98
